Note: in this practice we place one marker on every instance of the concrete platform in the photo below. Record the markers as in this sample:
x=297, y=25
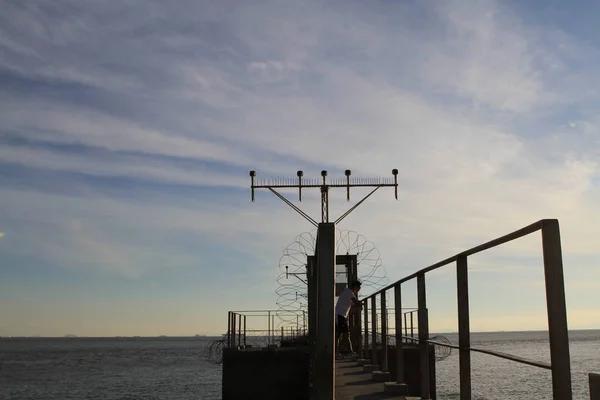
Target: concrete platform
x=353, y=383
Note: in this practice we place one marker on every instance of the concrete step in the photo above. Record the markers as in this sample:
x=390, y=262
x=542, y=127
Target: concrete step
x=370, y=367
x=395, y=388
x=381, y=376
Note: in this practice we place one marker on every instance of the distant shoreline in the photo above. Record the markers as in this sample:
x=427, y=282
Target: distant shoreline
x=201, y=337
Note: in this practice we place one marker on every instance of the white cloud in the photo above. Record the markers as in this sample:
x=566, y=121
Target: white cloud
x=447, y=98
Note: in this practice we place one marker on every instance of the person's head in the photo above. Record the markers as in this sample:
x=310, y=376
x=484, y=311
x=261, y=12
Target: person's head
x=355, y=287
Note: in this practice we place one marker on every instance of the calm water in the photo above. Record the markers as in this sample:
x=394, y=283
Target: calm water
x=174, y=368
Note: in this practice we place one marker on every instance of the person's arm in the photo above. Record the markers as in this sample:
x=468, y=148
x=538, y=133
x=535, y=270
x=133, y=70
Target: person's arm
x=356, y=302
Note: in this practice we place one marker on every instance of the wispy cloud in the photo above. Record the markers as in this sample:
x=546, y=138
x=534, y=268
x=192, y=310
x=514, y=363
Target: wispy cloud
x=128, y=131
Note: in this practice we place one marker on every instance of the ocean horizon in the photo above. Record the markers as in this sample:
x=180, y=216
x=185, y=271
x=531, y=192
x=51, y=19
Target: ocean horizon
x=217, y=336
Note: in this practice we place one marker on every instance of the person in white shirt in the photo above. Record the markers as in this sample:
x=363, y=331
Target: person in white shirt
x=346, y=302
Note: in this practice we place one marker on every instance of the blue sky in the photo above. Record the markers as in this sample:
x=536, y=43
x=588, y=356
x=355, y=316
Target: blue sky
x=127, y=131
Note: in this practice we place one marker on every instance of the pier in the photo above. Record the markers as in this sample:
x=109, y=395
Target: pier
x=397, y=354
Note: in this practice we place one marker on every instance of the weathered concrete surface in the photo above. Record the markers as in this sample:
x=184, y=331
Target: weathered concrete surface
x=265, y=374
x=352, y=383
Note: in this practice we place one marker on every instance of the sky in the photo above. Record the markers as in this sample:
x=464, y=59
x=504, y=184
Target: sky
x=127, y=131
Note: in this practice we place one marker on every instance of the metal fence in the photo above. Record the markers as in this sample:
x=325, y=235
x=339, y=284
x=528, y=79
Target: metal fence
x=556, y=309
x=264, y=328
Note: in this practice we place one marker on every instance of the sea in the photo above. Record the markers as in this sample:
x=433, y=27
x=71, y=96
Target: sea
x=177, y=368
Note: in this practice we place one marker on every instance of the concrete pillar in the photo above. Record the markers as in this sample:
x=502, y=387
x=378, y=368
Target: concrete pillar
x=324, y=377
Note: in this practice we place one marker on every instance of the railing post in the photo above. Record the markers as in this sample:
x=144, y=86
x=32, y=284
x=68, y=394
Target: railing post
x=374, y=330
x=384, y=333
x=268, y=328
x=594, y=386
x=239, y=329
x=398, y=388
x=412, y=324
x=464, y=330
x=234, y=329
x=245, y=344
x=366, y=318
x=399, y=316
x=405, y=324
x=358, y=330
x=229, y=329
x=423, y=336
x=557, y=311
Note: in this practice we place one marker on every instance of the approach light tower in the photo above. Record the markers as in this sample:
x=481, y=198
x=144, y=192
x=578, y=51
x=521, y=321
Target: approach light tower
x=321, y=268
x=300, y=182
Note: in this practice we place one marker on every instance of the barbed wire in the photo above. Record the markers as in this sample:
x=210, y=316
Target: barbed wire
x=292, y=290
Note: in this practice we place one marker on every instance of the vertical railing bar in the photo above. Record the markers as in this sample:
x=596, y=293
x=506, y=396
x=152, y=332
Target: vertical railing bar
x=412, y=324
x=405, y=324
x=384, y=333
x=366, y=315
x=239, y=329
x=374, y=330
x=423, y=336
x=229, y=329
x=399, y=348
x=464, y=330
x=245, y=343
x=234, y=330
x=557, y=311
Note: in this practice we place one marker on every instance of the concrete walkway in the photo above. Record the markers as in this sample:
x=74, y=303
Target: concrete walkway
x=352, y=383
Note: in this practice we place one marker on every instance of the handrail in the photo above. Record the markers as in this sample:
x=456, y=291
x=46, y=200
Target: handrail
x=536, y=226
x=555, y=304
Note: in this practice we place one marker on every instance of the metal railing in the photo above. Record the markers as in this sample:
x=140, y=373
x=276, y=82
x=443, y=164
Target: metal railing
x=556, y=310
x=264, y=328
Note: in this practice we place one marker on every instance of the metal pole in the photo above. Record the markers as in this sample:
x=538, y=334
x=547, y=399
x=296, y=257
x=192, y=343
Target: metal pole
x=245, y=344
x=357, y=328
x=399, y=315
x=405, y=324
x=557, y=311
x=269, y=328
x=239, y=329
x=412, y=324
x=374, y=330
x=229, y=329
x=464, y=330
x=423, y=336
x=233, y=334
x=384, y=333
x=366, y=315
